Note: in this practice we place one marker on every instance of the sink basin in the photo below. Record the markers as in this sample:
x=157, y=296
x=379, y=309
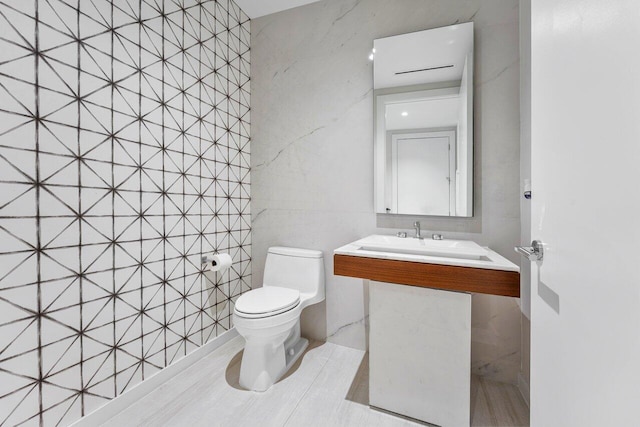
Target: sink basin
x=454, y=265
x=463, y=249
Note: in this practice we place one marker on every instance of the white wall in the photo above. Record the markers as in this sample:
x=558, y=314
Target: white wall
x=312, y=151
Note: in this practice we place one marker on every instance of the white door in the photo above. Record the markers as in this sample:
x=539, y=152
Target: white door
x=422, y=173
x=585, y=309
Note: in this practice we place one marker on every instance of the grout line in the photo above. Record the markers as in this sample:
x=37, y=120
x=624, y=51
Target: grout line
x=293, y=411
x=38, y=212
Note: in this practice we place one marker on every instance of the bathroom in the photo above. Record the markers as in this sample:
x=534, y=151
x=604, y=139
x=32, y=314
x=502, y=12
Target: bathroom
x=201, y=219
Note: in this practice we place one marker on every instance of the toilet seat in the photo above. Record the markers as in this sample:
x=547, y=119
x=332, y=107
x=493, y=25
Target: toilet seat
x=266, y=302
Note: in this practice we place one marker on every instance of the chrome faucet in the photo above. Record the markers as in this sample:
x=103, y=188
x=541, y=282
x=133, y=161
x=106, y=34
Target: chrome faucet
x=417, y=227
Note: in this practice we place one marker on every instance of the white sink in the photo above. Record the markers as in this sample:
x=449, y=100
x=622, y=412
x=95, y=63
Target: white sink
x=462, y=249
x=459, y=253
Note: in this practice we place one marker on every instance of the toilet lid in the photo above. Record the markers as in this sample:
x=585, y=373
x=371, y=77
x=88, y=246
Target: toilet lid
x=268, y=300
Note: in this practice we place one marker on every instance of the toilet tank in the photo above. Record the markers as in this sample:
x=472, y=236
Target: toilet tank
x=301, y=269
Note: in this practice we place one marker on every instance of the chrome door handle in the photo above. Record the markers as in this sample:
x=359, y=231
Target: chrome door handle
x=535, y=252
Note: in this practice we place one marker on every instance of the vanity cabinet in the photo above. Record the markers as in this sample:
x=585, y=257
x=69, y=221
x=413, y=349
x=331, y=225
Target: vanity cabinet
x=420, y=352
x=420, y=319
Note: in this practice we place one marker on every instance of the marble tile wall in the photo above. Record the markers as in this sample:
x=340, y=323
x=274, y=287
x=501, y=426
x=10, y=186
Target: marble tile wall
x=124, y=155
x=312, y=151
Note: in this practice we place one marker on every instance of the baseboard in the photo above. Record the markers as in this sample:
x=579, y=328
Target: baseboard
x=129, y=397
x=523, y=386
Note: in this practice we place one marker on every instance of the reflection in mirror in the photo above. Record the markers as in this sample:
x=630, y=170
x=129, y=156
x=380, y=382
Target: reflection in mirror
x=423, y=89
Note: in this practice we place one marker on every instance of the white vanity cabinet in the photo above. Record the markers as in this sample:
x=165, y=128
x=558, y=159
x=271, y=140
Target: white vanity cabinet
x=420, y=352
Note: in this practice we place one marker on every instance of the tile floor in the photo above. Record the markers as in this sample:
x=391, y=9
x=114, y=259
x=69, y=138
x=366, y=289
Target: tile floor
x=328, y=386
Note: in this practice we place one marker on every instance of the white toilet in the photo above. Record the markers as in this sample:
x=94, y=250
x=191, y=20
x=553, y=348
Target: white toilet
x=269, y=317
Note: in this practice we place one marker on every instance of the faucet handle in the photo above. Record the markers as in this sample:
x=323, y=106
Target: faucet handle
x=416, y=224
x=401, y=234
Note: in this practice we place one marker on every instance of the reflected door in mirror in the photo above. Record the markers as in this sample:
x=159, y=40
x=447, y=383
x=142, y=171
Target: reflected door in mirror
x=421, y=173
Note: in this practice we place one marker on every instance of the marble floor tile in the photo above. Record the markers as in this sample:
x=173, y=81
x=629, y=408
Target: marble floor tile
x=496, y=404
x=328, y=386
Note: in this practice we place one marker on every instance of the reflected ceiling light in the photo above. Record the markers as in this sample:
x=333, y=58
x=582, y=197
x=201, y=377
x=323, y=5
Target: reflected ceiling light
x=404, y=114
x=371, y=57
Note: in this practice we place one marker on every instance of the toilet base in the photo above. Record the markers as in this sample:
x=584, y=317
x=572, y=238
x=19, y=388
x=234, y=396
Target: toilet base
x=295, y=352
x=266, y=359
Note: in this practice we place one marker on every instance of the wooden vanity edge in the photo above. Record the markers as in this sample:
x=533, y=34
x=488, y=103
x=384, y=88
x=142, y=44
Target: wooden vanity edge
x=446, y=277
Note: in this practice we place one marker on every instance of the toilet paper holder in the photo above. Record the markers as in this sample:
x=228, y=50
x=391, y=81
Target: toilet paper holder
x=219, y=262
x=207, y=259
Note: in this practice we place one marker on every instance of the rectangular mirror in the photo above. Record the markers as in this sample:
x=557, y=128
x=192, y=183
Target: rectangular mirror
x=423, y=92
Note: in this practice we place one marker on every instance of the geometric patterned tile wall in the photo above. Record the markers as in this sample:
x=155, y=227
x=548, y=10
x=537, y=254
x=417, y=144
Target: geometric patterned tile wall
x=124, y=155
